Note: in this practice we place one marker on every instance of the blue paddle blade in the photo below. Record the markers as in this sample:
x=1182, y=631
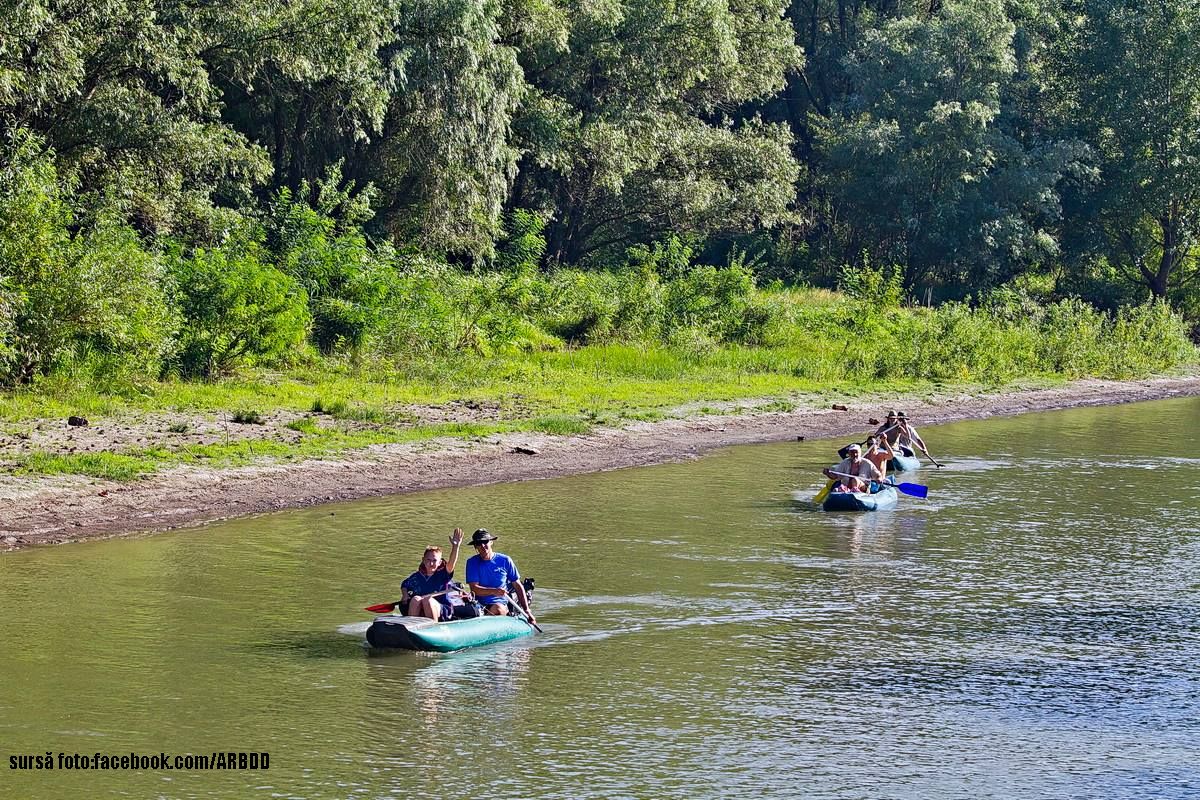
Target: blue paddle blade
x=914, y=489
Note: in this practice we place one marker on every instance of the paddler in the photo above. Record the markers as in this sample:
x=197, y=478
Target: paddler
x=890, y=428
x=879, y=453
x=853, y=474
x=425, y=592
x=493, y=575
x=908, y=435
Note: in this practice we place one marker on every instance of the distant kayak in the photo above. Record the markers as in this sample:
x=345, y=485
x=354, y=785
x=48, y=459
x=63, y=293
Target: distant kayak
x=904, y=461
x=421, y=633
x=886, y=498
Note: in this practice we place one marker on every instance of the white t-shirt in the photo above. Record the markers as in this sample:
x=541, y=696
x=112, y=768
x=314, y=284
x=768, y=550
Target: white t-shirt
x=866, y=469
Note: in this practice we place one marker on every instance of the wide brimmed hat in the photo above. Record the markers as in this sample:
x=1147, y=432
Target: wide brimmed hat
x=901, y=415
x=480, y=536
x=892, y=414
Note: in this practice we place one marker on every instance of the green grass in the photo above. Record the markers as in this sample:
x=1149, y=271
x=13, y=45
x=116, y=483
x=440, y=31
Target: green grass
x=813, y=361
x=304, y=425
x=110, y=466
x=560, y=424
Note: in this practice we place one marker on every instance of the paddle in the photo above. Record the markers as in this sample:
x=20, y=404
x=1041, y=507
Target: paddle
x=936, y=463
x=383, y=608
x=913, y=489
x=842, y=452
x=525, y=617
x=821, y=495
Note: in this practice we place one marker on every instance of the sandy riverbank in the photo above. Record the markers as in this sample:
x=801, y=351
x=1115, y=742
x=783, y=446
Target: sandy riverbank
x=55, y=510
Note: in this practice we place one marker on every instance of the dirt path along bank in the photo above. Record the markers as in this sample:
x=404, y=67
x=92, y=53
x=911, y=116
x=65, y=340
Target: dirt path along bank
x=56, y=509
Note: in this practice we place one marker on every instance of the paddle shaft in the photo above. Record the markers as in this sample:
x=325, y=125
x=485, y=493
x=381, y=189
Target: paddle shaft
x=521, y=613
x=842, y=452
x=936, y=463
x=914, y=489
x=382, y=608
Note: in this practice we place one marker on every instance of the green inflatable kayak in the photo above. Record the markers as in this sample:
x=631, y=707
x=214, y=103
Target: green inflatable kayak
x=420, y=633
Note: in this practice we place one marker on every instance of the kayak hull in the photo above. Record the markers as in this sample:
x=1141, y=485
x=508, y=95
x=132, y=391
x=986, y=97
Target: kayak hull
x=883, y=500
x=904, y=462
x=419, y=633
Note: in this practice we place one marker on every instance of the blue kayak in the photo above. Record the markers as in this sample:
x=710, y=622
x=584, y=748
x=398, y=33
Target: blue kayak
x=421, y=633
x=905, y=461
x=883, y=500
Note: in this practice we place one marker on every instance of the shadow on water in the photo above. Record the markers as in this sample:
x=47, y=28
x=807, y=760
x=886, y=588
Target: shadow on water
x=311, y=645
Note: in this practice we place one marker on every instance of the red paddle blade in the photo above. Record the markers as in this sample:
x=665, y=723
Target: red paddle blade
x=382, y=608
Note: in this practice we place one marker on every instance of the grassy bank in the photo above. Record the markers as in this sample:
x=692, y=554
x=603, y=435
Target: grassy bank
x=815, y=347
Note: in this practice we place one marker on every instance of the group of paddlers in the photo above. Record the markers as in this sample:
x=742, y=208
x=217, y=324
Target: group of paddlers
x=494, y=585
x=866, y=470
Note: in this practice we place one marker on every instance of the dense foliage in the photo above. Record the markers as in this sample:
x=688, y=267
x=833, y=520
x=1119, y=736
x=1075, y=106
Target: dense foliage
x=189, y=188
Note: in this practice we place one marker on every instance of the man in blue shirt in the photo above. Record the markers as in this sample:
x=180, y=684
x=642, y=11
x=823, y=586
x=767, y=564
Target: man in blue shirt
x=490, y=576
x=429, y=583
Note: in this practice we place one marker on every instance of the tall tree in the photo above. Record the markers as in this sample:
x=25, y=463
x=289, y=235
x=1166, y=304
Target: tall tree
x=414, y=96
x=1132, y=90
x=121, y=93
x=628, y=131
x=923, y=171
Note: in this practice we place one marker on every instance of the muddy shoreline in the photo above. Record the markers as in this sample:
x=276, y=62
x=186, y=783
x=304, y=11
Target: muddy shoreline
x=58, y=510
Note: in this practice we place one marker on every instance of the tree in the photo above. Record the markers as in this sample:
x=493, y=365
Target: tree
x=921, y=165
x=1132, y=90
x=629, y=132
x=121, y=93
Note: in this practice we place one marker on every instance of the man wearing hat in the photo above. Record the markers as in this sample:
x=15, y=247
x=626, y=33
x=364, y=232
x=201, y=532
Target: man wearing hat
x=853, y=474
x=890, y=427
x=491, y=574
x=908, y=435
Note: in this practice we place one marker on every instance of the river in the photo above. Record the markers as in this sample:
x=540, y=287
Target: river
x=1031, y=629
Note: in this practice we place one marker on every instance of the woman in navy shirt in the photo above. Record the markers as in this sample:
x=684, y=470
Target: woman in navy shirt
x=432, y=578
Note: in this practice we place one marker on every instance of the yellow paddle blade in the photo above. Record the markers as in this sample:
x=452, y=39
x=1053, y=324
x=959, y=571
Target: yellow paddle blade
x=821, y=495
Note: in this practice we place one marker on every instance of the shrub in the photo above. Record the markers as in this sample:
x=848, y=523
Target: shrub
x=879, y=287
x=88, y=295
x=346, y=282
x=524, y=242
x=238, y=310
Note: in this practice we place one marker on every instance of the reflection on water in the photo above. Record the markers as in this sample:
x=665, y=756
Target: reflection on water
x=1029, y=629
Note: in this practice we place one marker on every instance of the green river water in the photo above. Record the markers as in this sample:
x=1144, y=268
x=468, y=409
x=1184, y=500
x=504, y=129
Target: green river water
x=1029, y=630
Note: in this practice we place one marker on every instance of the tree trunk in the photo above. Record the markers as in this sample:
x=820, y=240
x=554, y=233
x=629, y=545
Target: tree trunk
x=1169, y=258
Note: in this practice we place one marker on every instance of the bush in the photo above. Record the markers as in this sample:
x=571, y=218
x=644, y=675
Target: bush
x=346, y=281
x=877, y=287
x=89, y=296
x=238, y=310
x=524, y=243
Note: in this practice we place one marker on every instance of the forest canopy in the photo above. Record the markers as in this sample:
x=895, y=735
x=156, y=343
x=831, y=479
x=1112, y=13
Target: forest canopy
x=190, y=186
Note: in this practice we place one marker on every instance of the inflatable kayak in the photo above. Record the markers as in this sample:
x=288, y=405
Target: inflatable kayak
x=886, y=498
x=421, y=633
x=905, y=461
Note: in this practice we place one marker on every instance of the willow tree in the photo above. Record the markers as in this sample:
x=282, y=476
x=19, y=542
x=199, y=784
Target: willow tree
x=924, y=171
x=629, y=130
x=1132, y=87
x=121, y=93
